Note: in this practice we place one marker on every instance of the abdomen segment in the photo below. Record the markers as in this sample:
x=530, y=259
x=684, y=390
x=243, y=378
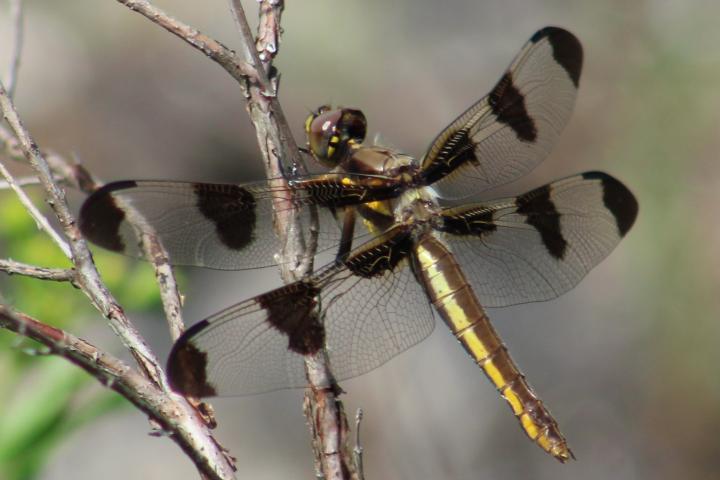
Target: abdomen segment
x=455, y=301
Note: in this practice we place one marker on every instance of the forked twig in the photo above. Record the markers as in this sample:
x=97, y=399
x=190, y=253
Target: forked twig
x=12, y=267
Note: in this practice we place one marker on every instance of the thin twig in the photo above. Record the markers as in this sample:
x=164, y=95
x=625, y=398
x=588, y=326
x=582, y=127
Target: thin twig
x=82, y=179
x=11, y=267
x=22, y=182
x=218, y=52
x=16, y=14
x=40, y=220
x=64, y=171
x=357, y=449
x=87, y=276
x=172, y=414
x=169, y=292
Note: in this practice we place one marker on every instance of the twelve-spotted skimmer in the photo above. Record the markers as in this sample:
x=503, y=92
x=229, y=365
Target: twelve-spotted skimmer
x=376, y=296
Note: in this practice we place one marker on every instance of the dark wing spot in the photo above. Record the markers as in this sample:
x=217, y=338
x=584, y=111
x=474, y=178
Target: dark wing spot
x=618, y=199
x=232, y=209
x=457, y=149
x=508, y=105
x=187, y=366
x=541, y=213
x=382, y=256
x=567, y=50
x=292, y=311
x=478, y=221
x=101, y=217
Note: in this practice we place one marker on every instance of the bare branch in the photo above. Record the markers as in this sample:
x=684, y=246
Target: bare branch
x=269, y=30
x=64, y=171
x=79, y=177
x=169, y=293
x=271, y=115
x=87, y=276
x=358, y=449
x=152, y=394
x=173, y=414
x=16, y=14
x=218, y=52
x=12, y=267
x=21, y=182
x=324, y=413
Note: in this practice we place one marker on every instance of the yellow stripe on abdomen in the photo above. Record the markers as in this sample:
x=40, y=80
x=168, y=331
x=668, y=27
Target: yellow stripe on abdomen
x=456, y=303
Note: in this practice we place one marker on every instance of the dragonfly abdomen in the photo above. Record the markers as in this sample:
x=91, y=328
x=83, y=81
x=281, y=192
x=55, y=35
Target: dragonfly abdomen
x=453, y=298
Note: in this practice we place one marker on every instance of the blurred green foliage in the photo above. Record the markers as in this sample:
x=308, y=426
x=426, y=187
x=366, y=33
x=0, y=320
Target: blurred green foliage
x=47, y=398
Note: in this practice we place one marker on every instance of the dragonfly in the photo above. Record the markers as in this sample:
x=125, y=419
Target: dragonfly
x=406, y=242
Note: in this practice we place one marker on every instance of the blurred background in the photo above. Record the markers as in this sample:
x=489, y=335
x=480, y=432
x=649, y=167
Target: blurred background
x=627, y=361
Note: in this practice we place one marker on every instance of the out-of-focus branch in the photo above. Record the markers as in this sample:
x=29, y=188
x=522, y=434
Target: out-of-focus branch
x=40, y=220
x=87, y=276
x=21, y=182
x=147, y=388
x=64, y=172
x=16, y=14
x=12, y=267
x=171, y=413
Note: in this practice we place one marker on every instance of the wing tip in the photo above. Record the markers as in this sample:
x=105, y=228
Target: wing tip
x=567, y=50
x=187, y=366
x=618, y=199
x=100, y=216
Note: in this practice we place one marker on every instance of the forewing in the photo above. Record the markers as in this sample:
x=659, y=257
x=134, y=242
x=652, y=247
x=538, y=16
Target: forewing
x=510, y=131
x=540, y=244
x=372, y=309
x=221, y=226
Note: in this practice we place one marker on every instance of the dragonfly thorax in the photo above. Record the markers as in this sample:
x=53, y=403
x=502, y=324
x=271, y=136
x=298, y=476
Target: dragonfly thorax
x=378, y=161
x=417, y=206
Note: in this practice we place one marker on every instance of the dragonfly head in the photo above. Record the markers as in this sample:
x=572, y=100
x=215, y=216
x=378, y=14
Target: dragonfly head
x=331, y=133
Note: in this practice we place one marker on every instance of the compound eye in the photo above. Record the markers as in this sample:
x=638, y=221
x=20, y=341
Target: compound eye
x=352, y=126
x=323, y=138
